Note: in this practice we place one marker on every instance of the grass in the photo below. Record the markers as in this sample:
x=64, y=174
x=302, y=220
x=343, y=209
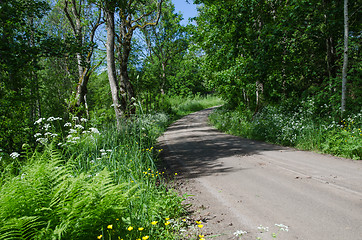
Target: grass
x=84, y=182
x=302, y=129
x=183, y=106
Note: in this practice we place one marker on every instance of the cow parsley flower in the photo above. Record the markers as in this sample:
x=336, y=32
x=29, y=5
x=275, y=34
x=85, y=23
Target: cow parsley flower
x=14, y=155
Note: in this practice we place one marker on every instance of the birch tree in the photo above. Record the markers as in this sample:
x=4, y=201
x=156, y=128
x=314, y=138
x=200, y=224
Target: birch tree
x=84, y=19
x=132, y=15
x=345, y=58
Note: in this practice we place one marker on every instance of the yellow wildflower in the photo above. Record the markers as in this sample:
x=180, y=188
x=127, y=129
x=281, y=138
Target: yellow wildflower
x=200, y=226
x=130, y=228
x=167, y=219
x=145, y=237
x=110, y=226
x=100, y=236
x=140, y=229
x=167, y=223
x=154, y=222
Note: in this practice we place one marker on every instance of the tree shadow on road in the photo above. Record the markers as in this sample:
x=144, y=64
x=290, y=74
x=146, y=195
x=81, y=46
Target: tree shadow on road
x=194, y=148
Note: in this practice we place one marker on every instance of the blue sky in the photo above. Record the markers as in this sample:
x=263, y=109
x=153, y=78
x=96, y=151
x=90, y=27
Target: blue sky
x=187, y=10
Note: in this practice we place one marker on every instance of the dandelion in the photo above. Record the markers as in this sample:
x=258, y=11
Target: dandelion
x=130, y=228
x=154, y=222
x=110, y=226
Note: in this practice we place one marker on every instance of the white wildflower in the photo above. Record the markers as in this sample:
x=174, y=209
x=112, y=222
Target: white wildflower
x=79, y=126
x=94, y=130
x=263, y=229
x=75, y=118
x=104, y=154
x=42, y=140
x=47, y=133
x=109, y=150
x=51, y=119
x=282, y=227
x=14, y=155
x=67, y=124
x=39, y=120
x=240, y=233
x=76, y=138
x=37, y=135
x=102, y=150
x=84, y=120
x=46, y=126
x=72, y=130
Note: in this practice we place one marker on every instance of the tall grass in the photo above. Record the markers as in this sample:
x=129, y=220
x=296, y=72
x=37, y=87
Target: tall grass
x=182, y=106
x=84, y=182
x=301, y=128
x=102, y=184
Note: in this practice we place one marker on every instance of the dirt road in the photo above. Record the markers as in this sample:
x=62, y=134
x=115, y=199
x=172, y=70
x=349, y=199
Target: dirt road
x=239, y=184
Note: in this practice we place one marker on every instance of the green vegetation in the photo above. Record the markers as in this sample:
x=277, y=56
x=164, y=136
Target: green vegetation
x=91, y=171
x=301, y=128
x=183, y=106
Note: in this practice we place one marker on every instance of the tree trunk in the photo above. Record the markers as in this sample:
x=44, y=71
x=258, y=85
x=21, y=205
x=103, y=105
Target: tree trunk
x=345, y=58
x=126, y=88
x=111, y=66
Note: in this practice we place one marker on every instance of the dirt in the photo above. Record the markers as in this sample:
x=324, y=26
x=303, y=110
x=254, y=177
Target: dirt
x=239, y=184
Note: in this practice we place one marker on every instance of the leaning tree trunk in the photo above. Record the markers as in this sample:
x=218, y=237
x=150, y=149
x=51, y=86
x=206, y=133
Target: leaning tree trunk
x=345, y=58
x=111, y=66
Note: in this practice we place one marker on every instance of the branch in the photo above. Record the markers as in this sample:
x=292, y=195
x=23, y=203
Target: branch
x=69, y=17
x=159, y=9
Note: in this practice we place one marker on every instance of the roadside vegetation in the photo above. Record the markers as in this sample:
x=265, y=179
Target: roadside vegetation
x=303, y=127
x=94, y=182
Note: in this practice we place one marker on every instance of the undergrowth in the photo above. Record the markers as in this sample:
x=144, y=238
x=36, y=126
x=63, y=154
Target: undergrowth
x=301, y=128
x=84, y=182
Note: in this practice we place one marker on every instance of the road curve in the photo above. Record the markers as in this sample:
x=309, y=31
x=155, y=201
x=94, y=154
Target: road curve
x=240, y=184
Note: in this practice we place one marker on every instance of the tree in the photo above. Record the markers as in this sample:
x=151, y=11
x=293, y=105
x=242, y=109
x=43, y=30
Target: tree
x=21, y=43
x=166, y=41
x=132, y=16
x=84, y=19
x=345, y=58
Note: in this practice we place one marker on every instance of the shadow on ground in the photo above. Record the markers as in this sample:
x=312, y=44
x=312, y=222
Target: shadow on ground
x=194, y=148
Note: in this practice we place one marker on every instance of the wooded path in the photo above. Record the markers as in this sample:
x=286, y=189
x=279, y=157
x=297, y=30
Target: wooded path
x=240, y=184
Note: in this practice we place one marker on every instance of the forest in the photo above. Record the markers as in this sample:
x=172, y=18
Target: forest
x=87, y=86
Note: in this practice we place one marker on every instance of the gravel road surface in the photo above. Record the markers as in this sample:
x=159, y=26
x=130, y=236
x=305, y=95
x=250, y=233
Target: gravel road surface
x=240, y=184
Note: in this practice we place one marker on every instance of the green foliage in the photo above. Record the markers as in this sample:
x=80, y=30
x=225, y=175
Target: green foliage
x=255, y=57
x=99, y=180
x=301, y=128
x=182, y=106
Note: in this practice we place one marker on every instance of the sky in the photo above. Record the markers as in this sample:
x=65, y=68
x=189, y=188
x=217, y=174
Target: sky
x=187, y=9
